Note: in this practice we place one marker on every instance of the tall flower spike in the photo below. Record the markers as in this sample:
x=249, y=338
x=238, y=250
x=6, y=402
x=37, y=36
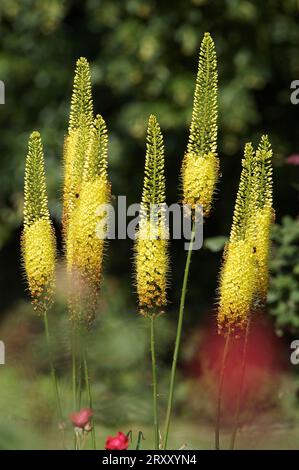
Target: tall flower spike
x=245, y=272
x=200, y=166
x=238, y=274
x=78, y=139
x=38, y=239
x=151, y=257
x=264, y=215
x=88, y=226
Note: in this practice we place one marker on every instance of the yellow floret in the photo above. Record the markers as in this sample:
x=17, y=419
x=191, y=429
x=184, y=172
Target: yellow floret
x=39, y=259
x=199, y=176
x=151, y=266
x=84, y=244
x=237, y=285
x=261, y=247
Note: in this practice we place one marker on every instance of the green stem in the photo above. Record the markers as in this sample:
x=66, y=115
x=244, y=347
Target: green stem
x=54, y=377
x=76, y=373
x=221, y=382
x=74, y=366
x=87, y=383
x=80, y=359
x=155, y=386
x=241, y=389
x=178, y=336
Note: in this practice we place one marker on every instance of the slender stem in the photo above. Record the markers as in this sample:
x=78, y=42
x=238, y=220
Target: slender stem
x=54, y=377
x=155, y=385
x=178, y=336
x=80, y=359
x=77, y=366
x=221, y=382
x=241, y=389
x=74, y=366
x=76, y=374
x=87, y=383
x=76, y=442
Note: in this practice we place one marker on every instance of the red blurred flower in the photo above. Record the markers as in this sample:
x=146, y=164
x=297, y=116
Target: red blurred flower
x=293, y=159
x=119, y=442
x=81, y=419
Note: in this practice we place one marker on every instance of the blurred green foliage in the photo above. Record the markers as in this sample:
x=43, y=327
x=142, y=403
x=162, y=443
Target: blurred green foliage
x=283, y=297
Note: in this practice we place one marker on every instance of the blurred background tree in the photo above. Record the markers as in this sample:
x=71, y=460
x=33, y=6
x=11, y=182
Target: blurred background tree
x=143, y=56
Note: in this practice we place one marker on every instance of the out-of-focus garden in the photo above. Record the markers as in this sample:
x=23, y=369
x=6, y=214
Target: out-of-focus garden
x=143, y=56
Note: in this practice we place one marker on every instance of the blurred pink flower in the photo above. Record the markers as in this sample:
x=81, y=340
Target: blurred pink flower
x=118, y=442
x=81, y=419
x=293, y=159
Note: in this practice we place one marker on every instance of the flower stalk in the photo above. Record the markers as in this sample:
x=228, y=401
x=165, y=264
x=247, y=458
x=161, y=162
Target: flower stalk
x=85, y=220
x=89, y=394
x=221, y=383
x=178, y=339
x=151, y=256
x=155, y=384
x=200, y=169
x=39, y=247
x=245, y=271
x=241, y=389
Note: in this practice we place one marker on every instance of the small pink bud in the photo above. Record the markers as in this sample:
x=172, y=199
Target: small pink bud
x=81, y=419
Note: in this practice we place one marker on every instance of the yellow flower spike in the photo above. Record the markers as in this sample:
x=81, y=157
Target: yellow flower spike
x=151, y=256
x=88, y=224
x=78, y=139
x=245, y=272
x=238, y=274
x=200, y=166
x=38, y=239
